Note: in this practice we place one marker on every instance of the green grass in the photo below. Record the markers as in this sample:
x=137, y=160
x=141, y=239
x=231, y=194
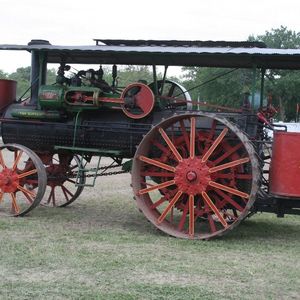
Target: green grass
x=101, y=247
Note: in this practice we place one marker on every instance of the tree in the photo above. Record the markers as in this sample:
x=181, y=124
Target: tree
x=131, y=74
x=229, y=89
x=281, y=38
x=283, y=85
x=22, y=76
x=3, y=75
x=217, y=85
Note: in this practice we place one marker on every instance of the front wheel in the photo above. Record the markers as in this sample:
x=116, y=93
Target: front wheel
x=195, y=176
x=23, y=180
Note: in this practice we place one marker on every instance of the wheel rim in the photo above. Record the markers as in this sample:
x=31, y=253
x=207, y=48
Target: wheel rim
x=62, y=170
x=172, y=89
x=195, y=176
x=22, y=180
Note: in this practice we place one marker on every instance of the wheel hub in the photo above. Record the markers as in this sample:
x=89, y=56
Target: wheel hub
x=192, y=176
x=9, y=181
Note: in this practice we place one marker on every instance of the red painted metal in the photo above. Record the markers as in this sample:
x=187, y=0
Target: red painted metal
x=9, y=181
x=61, y=184
x=8, y=90
x=192, y=176
x=285, y=164
x=143, y=99
x=182, y=190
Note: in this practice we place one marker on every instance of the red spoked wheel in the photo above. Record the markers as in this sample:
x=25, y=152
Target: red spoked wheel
x=22, y=180
x=65, y=179
x=195, y=176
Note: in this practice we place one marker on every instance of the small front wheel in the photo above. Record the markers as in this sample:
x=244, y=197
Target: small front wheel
x=23, y=180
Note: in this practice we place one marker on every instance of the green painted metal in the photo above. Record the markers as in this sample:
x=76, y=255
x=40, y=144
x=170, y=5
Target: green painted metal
x=75, y=128
x=52, y=96
x=92, y=171
x=83, y=169
x=81, y=150
x=35, y=114
x=60, y=97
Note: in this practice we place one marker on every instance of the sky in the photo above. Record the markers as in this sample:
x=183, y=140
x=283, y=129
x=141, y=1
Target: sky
x=65, y=22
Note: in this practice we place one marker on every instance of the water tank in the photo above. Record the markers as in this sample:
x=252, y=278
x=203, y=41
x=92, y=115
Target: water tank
x=285, y=165
x=8, y=90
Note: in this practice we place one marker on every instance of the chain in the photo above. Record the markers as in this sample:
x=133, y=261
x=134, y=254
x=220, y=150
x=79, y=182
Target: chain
x=106, y=174
x=103, y=173
x=74, y=175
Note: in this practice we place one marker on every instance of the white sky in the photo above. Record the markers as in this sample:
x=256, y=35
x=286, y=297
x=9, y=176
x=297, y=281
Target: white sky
x=74, y=22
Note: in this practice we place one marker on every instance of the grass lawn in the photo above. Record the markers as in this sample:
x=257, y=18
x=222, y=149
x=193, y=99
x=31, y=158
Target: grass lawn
x=101, y=247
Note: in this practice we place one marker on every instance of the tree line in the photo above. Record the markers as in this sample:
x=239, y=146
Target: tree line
x=281, y=85
x=215, y=85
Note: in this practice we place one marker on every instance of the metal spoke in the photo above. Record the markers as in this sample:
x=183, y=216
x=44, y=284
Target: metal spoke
x=170, y=205
x=157, y=174
x=53, y=197
x=215, y=144
x=228, y=189
x=159, y=202
x=67, y=191
x=192, y=137
x=212, y=130
x=161, y=147
x=1, y=160
x=229, y=165
x=30, y=193
x=170, y=144
x=243, y=176
x=15, y=207
x=30, y=200
x=192, y=216
x=156, y=163
x=71, y=180
x=50, y=195
x=17, y=159
x=183, y=217
x=229, y=200
x=66, y=195
x=185, y=134
x=214, y=209
x=227, y=153
x=211, y=221
x=22, y=175
x=212, y=224
x=156, y=187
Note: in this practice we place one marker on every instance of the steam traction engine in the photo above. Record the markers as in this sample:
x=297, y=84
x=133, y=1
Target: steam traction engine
x=195, y=174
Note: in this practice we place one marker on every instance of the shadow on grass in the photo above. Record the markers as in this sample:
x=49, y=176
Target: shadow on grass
x=127, y=218
x=265, y=226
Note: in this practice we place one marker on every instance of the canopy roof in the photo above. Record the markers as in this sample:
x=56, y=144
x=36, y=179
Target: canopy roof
x=171, y=53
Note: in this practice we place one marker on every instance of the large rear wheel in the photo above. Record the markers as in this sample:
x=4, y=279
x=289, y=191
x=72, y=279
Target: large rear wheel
x=195, y=176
